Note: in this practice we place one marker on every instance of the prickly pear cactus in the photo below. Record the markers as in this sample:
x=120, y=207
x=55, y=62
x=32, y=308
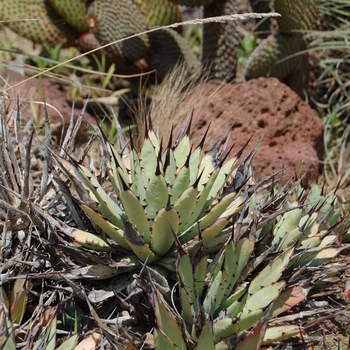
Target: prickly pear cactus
x=279, y=55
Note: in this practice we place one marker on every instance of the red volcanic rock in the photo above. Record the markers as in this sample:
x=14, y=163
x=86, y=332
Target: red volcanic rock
x=28, y=91
x=294, y=132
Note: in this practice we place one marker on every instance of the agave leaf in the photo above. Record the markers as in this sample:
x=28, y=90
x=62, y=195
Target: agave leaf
x=148, y=161
x=237, y=303
x=185, y=278
x=236, y=205
x=170, y=170
x=70, y=343
x=216, y=211
x=250, y=319
x=154, y=140
x=168, y=262
x=200, y=205
x=137, y=243
x=272, y=272
x=223, y=174
x=185, y=204
x=276, y=334
x=162, y=237
x=180, y=184
x=207, y=170
x=156, y=195
x=111, y=210
x=214, y=229
x=214, y=286
x=117, y=178
x=206, y=338
x=224, y=328
x=234, y=263
x=333, y=217
x=217, y=243
x=309, y=221
x=262, y=298
x=7, y=333
x=289, y=239
x=229, y=266
x=18, y=300
x=111, y=230
x=244, y=248
x=317, y=258
x=237, y=295
x=47, y=339
x=199, y=272
x=162, y=341
x=166, y=325
x=255, y=338
x=287, y=223
x=182, y=151
x=118, y=163
x=289, y=298
x=328, y=240
x=133, y=177
x=195, y=158
x=315, y=194
x=136, y=214
x=136, y=177
x=311, y=242
x=315, y=230
x=91, y=241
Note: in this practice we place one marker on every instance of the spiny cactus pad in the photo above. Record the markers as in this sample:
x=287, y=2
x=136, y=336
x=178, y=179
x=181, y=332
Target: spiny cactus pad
x=37, y=21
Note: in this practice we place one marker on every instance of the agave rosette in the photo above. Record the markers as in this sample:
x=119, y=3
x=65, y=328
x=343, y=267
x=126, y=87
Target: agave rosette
x=160, y=192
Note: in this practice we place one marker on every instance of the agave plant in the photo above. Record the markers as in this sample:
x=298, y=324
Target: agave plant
x=160, y=193
x=199, y=218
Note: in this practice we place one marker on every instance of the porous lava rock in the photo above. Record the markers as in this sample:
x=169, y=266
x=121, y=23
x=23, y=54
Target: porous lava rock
x=294, y=131
x=29, y=90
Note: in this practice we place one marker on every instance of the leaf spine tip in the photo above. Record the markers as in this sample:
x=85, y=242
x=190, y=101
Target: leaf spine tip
x=188, y=130
x=201, y=143
x=240, y=152
x=150, y=126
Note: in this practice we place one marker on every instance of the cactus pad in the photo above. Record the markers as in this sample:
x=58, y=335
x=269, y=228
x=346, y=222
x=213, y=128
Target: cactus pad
x=47, y=25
